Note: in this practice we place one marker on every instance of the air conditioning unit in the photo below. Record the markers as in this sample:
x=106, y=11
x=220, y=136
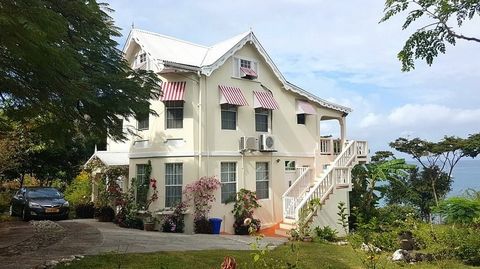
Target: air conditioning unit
x=248, y=143
x=267, y=142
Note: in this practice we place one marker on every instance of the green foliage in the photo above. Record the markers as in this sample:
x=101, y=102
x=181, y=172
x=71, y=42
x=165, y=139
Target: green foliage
x=326, y=234
x=63, y=72
x=243, y=207
x=80, y=189
x=174, y=223
x=395, y=215
x=416, y=189
x=431, y=39
x=5, y=197
x=303, y=229
x=459, y=210
x=366, y=178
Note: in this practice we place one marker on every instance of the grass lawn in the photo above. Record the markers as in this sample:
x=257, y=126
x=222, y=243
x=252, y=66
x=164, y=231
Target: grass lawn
x=310, y=255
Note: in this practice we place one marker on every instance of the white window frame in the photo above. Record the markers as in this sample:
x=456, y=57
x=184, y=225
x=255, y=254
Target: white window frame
x=228, y=180
x=174, y=105
x=267, y=179
x=142, y=57
x=173, y=185
x=236, y=66
x=145, y=121
x=228, y=110
x=269, y=116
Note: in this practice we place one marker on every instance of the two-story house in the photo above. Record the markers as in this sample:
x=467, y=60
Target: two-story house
x=227, y=111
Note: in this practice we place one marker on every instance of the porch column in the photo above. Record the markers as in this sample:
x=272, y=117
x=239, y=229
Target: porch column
x=343, y=131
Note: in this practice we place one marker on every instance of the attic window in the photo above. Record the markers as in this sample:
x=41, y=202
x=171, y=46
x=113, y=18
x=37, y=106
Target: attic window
x=143, y=57
x=246, y=69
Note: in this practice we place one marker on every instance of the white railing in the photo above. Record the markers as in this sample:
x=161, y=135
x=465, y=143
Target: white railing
x=362, y=148
x=293, y=194
x=339, y=172
x=330, y=146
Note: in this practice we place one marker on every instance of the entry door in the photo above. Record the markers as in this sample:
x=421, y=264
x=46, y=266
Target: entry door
x=290, y=173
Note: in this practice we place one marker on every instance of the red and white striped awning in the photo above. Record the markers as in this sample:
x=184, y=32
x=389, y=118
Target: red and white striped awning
x=232, y=96
x=303, y=107
x=173, y=91
x=248, y=72
x=264, y=100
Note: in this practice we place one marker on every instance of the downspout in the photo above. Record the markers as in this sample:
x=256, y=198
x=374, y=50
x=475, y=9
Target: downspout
x=199, y=169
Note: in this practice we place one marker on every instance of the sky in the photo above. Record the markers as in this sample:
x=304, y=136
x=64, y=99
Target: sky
x=338, y=51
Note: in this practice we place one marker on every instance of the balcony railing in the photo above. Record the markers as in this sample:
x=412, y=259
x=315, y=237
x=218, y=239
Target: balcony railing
x=330, y=146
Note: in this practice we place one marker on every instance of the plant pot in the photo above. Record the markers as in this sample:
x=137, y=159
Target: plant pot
x=307, y=239
x=149, y=226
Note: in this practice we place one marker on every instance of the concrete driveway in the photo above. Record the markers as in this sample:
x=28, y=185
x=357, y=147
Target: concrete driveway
x=28, y=245
x=125, y=240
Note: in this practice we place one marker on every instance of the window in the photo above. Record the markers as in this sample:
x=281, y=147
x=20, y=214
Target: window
x=245, y=63
x=143, y=123
x=228, y=178
x=229, y=117
x=262, y=180
x=289, y=165
x=174, y=114
x=261, y=119
x=143, y=57
x=173, y=183
x=142, y=184
x=245, y=69
x=301, y=118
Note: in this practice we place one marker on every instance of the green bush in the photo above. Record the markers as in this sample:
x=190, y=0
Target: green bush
x=80, y=190
x=326, y=233
x=395, y=215
x=5, y=197
x=459, y=210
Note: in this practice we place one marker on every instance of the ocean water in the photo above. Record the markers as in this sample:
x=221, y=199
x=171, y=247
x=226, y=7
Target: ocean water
x=466, y=175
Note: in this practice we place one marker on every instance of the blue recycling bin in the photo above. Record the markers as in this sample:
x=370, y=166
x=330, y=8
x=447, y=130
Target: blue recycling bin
x=216, y=224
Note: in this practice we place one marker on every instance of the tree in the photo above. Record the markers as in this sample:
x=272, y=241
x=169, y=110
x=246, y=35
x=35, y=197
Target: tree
x=415, y=189
x=442, y=156
x=431, y=39
x=365, y=193
x=61, y=71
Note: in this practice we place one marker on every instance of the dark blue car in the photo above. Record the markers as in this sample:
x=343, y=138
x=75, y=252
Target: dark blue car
x=39, y=202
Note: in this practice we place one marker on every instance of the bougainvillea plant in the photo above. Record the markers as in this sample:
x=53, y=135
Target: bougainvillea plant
x=201, y=193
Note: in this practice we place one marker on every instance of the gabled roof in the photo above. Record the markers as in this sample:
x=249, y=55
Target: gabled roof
x=109, y=158
x=169, y=51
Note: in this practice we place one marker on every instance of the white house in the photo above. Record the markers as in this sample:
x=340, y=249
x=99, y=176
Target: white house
x=227, y=111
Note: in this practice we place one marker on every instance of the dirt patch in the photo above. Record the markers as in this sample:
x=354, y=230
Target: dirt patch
x=44, y=241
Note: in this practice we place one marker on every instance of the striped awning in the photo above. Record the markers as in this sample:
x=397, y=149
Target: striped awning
x=232, y=96
x=248, y=72
x=264, y=100
x=303, y=107
x=173, y=91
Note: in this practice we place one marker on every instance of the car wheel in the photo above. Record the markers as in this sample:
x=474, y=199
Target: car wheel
x=25, y=214
x=10, y=211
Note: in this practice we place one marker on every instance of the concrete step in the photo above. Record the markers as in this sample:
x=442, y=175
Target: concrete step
x=282, y=232
x=287, y=226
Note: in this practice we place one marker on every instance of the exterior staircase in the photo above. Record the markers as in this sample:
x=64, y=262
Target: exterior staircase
x=307, y=186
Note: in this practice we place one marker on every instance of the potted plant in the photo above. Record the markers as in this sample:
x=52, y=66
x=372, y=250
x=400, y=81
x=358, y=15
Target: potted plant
x=244, y=204
x=174, y=222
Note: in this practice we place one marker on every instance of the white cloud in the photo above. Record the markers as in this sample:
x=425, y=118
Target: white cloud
x=369, y=120
x=412, y=115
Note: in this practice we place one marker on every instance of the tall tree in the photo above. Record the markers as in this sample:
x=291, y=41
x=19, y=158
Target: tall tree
x=437, y=31
x=442, y=156
x=62, y=71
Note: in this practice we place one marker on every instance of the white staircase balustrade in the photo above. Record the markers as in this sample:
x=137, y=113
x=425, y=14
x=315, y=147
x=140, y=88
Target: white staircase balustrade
x=338, y=174
x=294, y=193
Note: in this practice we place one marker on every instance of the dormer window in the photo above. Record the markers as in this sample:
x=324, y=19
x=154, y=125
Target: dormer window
x=142, y=57
x=245, y=69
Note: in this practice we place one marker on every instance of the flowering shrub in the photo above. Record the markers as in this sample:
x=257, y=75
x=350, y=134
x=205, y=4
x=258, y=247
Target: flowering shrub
x=245, y=203
x=174, y=222
x=201, y=193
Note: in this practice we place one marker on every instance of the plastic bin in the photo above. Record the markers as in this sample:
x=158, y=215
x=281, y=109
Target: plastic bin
x=216, y=224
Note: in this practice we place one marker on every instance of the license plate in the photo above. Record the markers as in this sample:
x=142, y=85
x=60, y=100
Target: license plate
x=52, y=210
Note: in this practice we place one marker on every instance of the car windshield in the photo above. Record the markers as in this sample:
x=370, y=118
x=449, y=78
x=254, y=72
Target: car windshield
x=44, y=193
